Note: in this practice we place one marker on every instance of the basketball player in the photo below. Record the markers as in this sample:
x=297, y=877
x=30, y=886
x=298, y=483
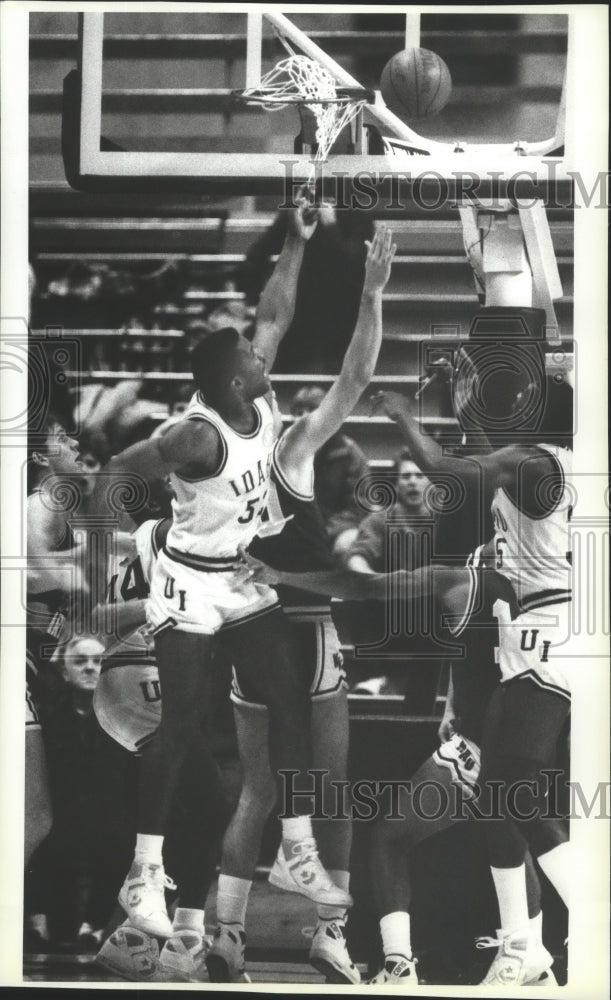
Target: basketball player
x=294, y=535
x=219, y=457
x=466, y=598
x=127, y=704
x=52, y=585
x=531, y=509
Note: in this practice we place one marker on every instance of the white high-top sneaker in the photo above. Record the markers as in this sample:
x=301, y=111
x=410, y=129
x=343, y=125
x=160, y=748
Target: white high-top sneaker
x=142, y=896
x=519, y=961
x=304, y=873
x=329, y=953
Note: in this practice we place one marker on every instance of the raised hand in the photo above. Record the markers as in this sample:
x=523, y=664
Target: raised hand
x=393, y=404
x=304, y=217
x=326, y=214
x=380, y=252
x=446, y=729
x=442, y=369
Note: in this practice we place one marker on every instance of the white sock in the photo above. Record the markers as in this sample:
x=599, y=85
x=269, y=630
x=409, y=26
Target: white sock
x=396, y=939
x=557, y=866
x=186, y=919
x=296, y=829
x=535, y=925
x=148, y=849
x=510, y=885
x=232, y=899
x=326, y=912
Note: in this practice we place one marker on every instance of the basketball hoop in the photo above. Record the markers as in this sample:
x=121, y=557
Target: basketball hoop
x=303, y=81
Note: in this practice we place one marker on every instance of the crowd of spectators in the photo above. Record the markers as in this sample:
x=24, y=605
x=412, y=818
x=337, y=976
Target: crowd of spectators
x=183, y=297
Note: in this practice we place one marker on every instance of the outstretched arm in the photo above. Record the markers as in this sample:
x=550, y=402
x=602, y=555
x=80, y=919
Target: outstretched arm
x=277, y=303
x=500, y=468
x=189, y=444
x=352, y=586
x=306, y=436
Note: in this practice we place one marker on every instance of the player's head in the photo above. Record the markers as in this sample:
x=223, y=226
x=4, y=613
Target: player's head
x=411, y=482
x=82, y=662
x=51, y=451
x=555, y=424
x=306, y=400
x=226, y=366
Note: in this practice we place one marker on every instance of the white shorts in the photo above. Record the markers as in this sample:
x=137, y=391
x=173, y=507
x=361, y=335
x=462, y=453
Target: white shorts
x=462, y=758
x=192, y=599
x=127, y=702
x=32, y=721
x=318, y=639
x=538, y=644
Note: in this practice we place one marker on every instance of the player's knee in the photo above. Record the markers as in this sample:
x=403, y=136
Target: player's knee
x=513, y=788
x=257, y=799
x=545, y=834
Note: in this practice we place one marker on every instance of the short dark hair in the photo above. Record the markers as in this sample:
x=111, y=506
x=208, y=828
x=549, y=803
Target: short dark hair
x=404, y=455
x=211, y=360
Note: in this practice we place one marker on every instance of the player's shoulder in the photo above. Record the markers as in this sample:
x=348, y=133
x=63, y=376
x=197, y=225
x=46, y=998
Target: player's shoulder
x=197, y=441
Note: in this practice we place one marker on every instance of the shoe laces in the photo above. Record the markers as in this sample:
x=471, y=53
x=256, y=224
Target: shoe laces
x=305, y=850
x=488, y=942
x=158, y=877
x=498, y=942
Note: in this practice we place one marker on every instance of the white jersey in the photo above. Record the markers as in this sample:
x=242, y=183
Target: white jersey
x=214, y=515
x=127, y=699
x=534, y=552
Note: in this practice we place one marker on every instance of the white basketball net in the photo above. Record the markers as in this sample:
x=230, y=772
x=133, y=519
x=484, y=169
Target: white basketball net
x=302, y=80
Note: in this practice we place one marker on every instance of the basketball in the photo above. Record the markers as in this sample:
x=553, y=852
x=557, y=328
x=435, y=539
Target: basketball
x=416, y=83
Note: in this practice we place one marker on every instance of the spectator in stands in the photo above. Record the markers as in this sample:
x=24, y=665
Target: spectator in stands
x=401, y=663
x=76, y=872
x=338, y=466
x=329, y=290
x=367, y=554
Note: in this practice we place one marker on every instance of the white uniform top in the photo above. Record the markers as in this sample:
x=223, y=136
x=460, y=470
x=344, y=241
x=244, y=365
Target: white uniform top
x=128, y=580
x=127, y=698
x=534, y=552
x=216, y=514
